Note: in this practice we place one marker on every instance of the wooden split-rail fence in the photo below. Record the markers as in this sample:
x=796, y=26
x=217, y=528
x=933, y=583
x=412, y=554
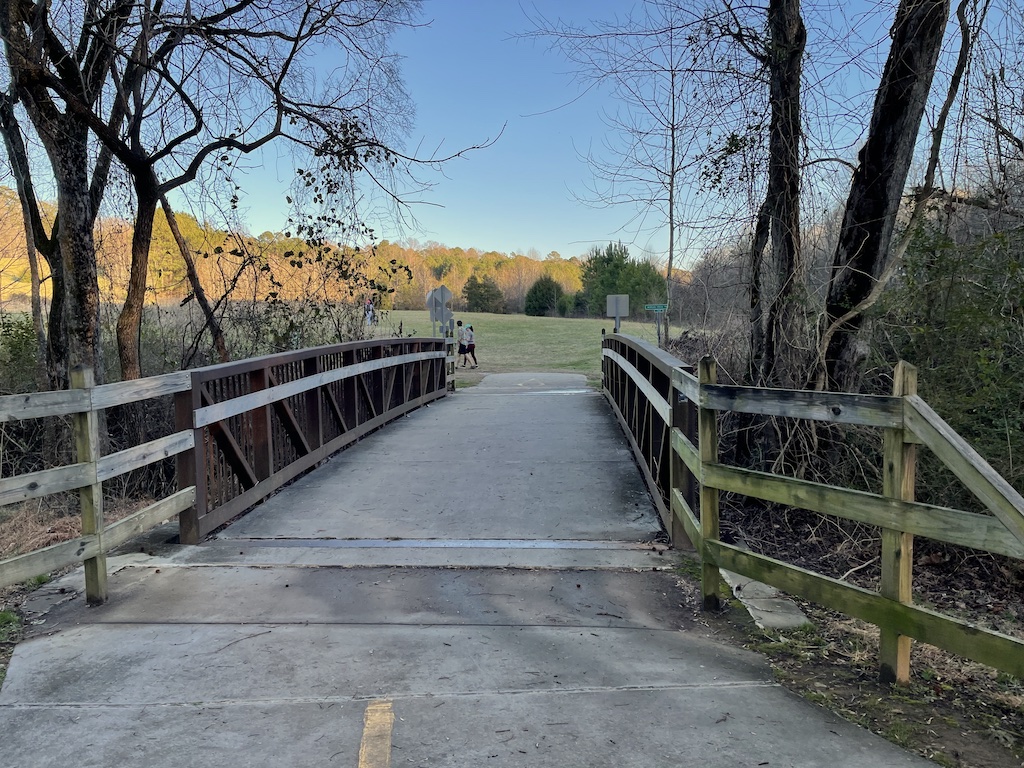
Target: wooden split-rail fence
x=241, y=431
x=671, y=413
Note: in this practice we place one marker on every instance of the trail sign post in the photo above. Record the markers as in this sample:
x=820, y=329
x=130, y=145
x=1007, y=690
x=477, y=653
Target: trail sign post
x=618, y=307
x=657, y=309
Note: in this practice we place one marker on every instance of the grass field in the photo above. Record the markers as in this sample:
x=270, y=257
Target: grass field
x=509, y=343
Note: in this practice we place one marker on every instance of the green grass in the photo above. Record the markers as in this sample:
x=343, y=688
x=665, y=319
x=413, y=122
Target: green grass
x=513, y=343
x=10, y=625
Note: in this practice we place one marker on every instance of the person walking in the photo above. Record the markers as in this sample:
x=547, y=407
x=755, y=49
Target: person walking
x=471, y=345
x=462, y=344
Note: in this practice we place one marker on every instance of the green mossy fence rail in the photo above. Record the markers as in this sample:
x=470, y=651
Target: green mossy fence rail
x=671, y=414
x=242, y=430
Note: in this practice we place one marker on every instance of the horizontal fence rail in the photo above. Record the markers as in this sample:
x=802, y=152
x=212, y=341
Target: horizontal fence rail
x=634, y=375
x=83, y=403
x=242, y=430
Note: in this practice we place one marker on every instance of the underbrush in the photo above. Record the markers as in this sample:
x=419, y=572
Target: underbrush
x=40, y=523
x=954, y=712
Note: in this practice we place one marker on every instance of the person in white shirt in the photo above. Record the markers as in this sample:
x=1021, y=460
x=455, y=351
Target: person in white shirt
x=471, y=345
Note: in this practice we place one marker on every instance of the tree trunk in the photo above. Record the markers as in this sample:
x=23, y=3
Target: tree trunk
x=57, y=339
x=784, y=321
x=762, y=227
x=38, y=324
x=219, y=342
x=878, y=184
x=68, y=150
x=129, y=324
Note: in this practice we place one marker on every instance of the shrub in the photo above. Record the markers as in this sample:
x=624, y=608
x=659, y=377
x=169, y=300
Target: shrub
x=573, y=304
x=17, y=353
x=543, y=297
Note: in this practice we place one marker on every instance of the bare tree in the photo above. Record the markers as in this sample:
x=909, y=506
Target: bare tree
x=641, y=59
x=171, y=88
x=48, y=73
x=761, y=163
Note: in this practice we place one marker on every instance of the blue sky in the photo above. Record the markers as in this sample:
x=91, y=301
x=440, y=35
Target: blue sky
x=470, y=76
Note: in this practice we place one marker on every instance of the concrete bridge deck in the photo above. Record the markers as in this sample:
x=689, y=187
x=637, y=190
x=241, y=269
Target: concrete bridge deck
x=474, y=585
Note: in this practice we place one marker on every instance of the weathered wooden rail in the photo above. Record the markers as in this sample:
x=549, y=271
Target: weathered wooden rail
x=242, y=430
x=687, y=477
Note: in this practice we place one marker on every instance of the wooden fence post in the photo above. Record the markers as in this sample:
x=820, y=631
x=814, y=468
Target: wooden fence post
x=90, y=498
x=190, y=466
x=707, y=431
x=898, y=478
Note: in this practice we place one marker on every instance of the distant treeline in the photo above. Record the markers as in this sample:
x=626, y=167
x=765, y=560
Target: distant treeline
x=278, y=266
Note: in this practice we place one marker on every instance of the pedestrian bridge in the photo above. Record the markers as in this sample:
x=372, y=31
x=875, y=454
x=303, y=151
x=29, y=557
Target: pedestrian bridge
x=480, y=578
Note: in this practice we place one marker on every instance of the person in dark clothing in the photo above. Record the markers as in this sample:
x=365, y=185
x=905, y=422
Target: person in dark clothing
x=462, y=344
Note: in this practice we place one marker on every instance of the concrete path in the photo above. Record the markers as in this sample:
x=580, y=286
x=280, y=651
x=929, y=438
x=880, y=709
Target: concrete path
x=475, y=585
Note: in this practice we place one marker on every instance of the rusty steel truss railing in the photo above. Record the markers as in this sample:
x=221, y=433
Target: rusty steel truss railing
x=259, y=423
x=242, y=430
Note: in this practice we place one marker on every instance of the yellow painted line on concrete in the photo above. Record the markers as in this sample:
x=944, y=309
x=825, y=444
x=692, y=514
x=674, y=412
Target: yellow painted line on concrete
x=375, y=749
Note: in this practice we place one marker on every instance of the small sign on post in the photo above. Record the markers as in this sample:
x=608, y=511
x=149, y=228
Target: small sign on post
x=657, y=309
x=618, y=307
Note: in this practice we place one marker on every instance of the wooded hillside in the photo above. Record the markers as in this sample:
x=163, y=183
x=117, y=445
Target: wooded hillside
x=274, y=265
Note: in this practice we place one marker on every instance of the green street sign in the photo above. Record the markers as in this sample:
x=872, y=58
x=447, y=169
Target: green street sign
x=656, y=307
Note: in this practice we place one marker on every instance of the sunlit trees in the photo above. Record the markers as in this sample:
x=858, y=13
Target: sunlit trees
x=609, y=270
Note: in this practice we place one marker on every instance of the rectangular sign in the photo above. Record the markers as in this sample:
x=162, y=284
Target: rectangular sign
x=656, y=307
x=618, y=305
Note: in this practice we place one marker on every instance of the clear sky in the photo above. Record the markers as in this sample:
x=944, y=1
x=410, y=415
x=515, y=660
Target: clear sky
x=470, y=76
